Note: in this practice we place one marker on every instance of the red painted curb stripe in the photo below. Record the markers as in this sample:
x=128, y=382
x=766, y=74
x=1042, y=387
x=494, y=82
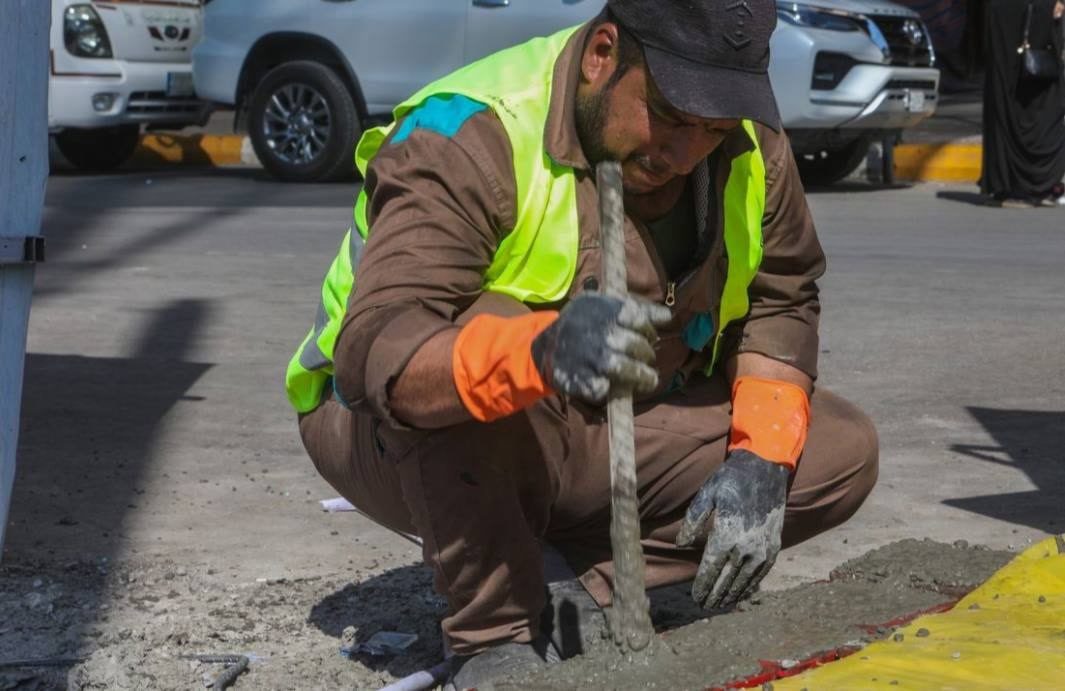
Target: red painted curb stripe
x=772, y=670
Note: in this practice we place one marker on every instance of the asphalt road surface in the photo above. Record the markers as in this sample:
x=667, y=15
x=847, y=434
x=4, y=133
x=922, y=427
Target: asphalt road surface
x=171, y=302
x=155, y=426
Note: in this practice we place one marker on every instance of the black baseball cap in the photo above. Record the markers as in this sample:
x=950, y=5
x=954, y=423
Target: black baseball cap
x=709, y=58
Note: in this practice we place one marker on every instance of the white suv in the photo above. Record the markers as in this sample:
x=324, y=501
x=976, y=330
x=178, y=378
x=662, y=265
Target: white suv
x=307, y=77
x=116, y=66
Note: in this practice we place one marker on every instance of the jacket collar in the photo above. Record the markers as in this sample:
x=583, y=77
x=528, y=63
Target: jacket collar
x=560, y=133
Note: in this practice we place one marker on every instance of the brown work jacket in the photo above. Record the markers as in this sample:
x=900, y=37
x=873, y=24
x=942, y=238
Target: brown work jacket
x=440, y=205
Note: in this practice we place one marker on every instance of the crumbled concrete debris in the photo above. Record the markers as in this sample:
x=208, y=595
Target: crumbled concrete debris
x=133, y=621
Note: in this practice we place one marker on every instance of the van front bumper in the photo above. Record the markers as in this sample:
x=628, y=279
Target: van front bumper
x=133, y=93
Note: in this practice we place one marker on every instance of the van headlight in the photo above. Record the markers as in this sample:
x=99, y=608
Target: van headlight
x=84, y=33
x=819, y=17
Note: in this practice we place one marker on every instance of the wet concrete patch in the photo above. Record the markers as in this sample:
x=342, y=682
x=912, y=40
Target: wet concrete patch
x=863, y=601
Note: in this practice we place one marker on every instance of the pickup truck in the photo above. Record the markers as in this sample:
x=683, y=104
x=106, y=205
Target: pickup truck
x=307, y=77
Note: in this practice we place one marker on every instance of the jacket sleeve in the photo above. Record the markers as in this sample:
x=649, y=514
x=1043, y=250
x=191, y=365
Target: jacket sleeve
x=785, y=308
x=438, y=206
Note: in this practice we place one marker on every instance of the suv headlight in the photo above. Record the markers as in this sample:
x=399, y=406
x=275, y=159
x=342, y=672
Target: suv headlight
x=84, y=33
x=819, y=17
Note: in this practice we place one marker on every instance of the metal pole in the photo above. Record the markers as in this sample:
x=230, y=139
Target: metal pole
x=23, y=172
x=630, y=621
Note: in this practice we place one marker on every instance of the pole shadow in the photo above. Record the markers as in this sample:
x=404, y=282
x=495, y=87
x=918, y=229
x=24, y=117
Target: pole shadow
x=1032, y=442
x=89, y=432
x=971, y=198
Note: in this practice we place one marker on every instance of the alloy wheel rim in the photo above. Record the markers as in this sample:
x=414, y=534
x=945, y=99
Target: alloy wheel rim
x=297, y=123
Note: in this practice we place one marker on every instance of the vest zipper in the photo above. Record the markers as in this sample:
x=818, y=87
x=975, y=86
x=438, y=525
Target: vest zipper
x=671, y=293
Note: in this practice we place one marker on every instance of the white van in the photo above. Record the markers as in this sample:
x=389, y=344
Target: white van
x=117, y=65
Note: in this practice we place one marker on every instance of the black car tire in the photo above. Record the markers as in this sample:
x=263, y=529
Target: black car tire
x=336, y=158
x=832, y=165
x=98, y=149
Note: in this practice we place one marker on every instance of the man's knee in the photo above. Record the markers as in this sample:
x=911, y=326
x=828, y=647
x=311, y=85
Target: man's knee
x=860, y=446
x=837, y=470
x=329, y=451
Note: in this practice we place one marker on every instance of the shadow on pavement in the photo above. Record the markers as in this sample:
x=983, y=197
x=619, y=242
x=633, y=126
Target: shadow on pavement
x=973, y=198
x=193, y=187
x=1033, y=442
x=90, y=427
x=855, y=187
x=404, y=596
x=61, y=171
x=672, y=606
x=78, y=214
x=401, y=597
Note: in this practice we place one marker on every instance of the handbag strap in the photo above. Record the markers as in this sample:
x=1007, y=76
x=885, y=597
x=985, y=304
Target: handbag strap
x=1027, y=26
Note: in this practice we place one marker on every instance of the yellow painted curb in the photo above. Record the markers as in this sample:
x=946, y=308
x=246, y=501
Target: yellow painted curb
x=194, y=150
x=1007, y=634
x=946, y=162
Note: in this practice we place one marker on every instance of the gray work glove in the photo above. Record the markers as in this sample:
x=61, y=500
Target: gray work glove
x=598, y=341
x=747, y=496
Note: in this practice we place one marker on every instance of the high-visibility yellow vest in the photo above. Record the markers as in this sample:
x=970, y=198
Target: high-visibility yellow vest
x=537, y=260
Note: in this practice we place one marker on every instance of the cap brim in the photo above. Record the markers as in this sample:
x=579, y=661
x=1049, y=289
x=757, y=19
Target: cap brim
x=706, y=91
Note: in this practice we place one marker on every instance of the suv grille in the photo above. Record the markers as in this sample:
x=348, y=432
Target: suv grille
x=907, y=39
x=154, y=102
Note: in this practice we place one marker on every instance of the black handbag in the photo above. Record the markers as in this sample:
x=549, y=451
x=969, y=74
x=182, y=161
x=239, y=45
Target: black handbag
x=1037, y=64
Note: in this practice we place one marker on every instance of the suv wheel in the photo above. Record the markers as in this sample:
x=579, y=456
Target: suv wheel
x=832, y=165
x=303, y=124
x=104, y=148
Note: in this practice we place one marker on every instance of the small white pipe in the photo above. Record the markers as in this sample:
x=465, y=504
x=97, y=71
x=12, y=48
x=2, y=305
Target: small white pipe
x=423, y=680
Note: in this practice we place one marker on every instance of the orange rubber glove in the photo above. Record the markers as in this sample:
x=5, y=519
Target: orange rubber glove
x=769, y=418
x=492, y=364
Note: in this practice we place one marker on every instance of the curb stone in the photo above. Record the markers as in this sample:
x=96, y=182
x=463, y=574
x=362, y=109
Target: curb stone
x=209, y=150
x=940, y=162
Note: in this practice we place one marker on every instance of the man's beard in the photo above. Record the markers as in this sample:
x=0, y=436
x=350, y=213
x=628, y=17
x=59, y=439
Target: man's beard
x=591, y=123
x=591, y=114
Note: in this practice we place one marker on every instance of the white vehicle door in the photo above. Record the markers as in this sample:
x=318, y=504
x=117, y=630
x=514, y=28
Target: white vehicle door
x=497, y=24
x=396, y=46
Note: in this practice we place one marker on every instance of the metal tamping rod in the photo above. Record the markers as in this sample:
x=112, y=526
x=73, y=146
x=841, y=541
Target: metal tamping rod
x=630, y=623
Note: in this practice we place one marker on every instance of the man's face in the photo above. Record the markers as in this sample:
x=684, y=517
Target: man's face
x=628, y=120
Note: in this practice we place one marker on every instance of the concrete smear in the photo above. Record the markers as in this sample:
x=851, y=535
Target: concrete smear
x=850, y=609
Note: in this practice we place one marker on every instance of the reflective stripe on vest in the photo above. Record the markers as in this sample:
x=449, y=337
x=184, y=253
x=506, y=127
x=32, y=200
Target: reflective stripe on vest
x=312, y=365
x=537, y=260
x=744, y=202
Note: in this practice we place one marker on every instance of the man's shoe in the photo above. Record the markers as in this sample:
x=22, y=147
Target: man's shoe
x=1016, y=203
x=482, y=670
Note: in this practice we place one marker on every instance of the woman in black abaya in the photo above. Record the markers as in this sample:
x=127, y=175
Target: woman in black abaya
x=1024, y=119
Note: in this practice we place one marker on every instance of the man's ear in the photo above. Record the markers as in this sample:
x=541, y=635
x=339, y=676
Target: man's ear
x=600, y=57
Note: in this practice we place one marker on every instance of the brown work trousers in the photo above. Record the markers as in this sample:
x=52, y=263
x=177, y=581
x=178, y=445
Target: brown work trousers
x=483, y=496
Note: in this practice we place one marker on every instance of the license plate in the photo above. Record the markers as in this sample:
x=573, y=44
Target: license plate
x=179, y=84
x=916, y=101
